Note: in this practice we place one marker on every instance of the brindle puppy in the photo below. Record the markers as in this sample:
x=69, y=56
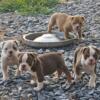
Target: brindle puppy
x=43, y=64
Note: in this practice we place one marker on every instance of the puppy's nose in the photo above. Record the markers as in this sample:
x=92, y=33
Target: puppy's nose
x=78, y=27
x=23, y=66
x=92, y=61
x=10, y=52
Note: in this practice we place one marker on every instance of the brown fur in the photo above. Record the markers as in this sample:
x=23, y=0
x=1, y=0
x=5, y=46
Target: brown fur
x=48, y=63
x=65, y=23
x=78, y=67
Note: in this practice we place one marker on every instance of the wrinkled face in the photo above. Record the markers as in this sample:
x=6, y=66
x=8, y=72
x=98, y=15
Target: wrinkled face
x=26, y=61
x=10, y=48
x=90, y=55
x=77, y=23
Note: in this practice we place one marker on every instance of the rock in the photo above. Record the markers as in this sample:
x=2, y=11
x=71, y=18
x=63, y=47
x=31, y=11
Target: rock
x=57, y=93
x=91, y=92
x=40, y=51
x=19, y=86
x=47, y=50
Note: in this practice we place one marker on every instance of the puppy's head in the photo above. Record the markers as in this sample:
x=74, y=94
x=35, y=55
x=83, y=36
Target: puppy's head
x=10, y=48
x=77, y=22
x=26, y=61
x=90, y=55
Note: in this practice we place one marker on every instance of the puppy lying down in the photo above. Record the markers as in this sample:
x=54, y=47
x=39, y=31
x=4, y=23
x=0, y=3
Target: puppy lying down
x=41, y=65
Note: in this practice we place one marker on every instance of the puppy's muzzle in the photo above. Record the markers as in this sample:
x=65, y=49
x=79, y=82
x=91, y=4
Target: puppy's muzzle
x=78, y=28
x=92, y=61
x=10, y=52
x=23, y=67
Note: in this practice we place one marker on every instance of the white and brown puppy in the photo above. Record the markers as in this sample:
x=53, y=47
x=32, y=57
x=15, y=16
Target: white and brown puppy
x=9, y=56
x=67, y=23
x=85, y=60
x=41, y=65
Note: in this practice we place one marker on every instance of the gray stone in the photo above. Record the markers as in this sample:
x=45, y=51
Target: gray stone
x=56, y=90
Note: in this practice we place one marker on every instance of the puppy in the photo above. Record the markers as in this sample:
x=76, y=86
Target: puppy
x=85, y=60
x=9, y=56
x=67, y=23
x=41, y=65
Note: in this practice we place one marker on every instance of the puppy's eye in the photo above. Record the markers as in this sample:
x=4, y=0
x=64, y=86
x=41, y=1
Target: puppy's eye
x=15, y=48
x=95, y=56
x=6, y=48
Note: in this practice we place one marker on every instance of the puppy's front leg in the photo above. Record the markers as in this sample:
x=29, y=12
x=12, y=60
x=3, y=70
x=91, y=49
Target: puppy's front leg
x=66, y=34
x=79, y=34
x=17, y=72
x=51, y=23
x=40, y=79
x=39, y=86
x=92, y=81
x=66, y=71
x=4, y=71
x=77, y=73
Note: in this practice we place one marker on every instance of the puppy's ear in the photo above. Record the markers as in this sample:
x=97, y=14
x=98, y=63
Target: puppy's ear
x=19, y=54
x=72, y=17
x=83, y=18
x=3, y=43
x=33, y=54
x=84, y=49
x=16, y=42
x=97, y=50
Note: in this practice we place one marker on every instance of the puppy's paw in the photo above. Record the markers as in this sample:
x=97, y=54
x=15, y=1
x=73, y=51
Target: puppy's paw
x=55, y=78
x=37, y=88
x=77, y=78
x=32, y=82
x=17, y=73
x=5, y=78
x=46, y=82
x=92, y=84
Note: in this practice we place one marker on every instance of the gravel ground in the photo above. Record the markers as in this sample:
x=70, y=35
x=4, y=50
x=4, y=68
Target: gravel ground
x=18, y=88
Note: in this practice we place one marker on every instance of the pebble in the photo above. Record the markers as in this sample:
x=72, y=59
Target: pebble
x=18, y=87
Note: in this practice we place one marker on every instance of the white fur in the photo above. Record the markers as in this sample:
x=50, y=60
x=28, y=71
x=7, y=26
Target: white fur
x=74, y=27
x=86, y=62
x=92, y=81
x=7, y=59
x=87, y=68
x=34, y=74
x=24, y=59
x=32, y=82
x=39, y=86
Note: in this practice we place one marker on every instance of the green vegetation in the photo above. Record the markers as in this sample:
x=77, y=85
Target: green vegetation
x=28, y=6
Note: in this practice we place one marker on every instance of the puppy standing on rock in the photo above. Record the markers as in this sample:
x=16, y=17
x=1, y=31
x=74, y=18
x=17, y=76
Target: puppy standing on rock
x=9, y=56
x=41, y=65
x=85, y=60
x=67, y=23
